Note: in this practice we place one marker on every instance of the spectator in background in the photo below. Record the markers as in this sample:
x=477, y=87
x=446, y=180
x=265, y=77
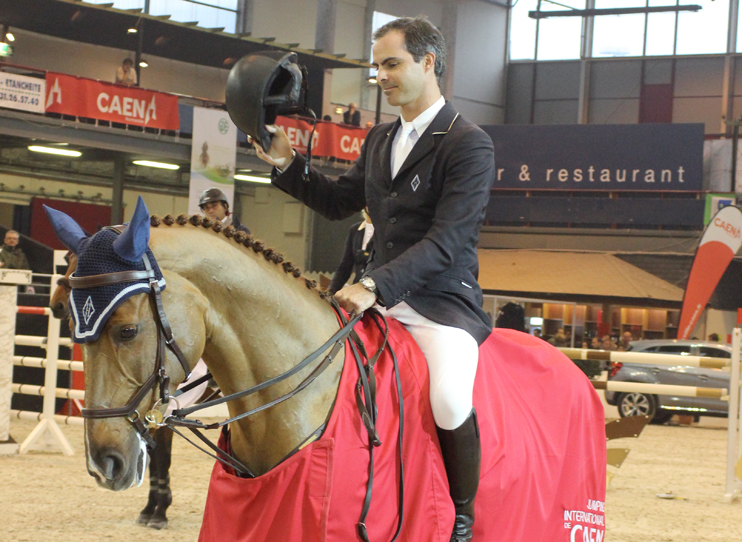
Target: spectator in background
x=11, y=255
x=714, y=337
x=511, y=316
x=126, y=74
x=369, y=125
x=607, y=343
x=358, y=246
x=626, y=339
x=327, y=118
x=595, y=343
x=352, y=116
x=560, y=339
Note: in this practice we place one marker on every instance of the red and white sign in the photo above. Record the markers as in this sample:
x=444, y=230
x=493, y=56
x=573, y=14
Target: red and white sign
x=80, y=97
x=343, y=142
x=719, y=244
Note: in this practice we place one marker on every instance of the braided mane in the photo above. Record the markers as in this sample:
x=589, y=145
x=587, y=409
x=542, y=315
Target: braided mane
x=241, y=238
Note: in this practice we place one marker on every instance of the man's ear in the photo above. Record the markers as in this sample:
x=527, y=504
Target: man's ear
x=429, y=61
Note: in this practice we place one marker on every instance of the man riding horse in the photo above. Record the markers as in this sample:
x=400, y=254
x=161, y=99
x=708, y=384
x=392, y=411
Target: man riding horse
x=426, y=180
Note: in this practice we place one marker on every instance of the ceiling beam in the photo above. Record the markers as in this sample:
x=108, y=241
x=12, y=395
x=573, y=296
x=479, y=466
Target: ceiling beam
x=611, y=11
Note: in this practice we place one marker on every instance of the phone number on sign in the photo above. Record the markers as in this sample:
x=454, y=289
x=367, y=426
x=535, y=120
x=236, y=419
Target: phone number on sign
x=15, y=98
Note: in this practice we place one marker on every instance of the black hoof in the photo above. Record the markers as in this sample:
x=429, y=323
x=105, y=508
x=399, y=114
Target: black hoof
x=157, y=523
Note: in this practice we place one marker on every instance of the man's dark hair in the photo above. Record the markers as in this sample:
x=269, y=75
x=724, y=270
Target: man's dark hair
x=128, y=61
x=420, y=38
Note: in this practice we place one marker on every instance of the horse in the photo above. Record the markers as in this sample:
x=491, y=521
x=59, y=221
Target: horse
x=154, y=514
x=308, y=463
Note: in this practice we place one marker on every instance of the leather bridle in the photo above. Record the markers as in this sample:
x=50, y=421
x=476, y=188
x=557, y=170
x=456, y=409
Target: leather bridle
x=165, y=339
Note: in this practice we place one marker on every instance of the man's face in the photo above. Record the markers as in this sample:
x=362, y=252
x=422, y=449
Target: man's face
x=401, y=78
x=215, y=210
x=627, y=337
x=11, y=239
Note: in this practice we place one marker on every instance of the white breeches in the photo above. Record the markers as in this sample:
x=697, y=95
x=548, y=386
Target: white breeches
x=452, y=355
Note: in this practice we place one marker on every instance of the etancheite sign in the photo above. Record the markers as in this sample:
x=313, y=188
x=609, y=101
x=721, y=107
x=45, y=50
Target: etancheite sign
x=637, y=157
x=22, y=92
x=80, y=97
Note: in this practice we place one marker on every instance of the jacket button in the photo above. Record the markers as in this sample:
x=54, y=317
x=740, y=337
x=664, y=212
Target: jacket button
x=392, y=220
x=393, y=195
x=389, y=244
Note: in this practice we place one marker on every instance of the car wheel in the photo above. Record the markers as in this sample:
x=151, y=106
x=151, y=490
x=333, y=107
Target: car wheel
x=636, y=404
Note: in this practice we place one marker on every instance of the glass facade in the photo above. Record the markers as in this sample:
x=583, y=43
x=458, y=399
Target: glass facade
x=629, y=35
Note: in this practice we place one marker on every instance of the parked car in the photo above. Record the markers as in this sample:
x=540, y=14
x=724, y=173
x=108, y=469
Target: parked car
x=662, y=407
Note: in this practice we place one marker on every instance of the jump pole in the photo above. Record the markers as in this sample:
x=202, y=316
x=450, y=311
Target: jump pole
x=47, y=435
x=733, y=478
x=9, y=281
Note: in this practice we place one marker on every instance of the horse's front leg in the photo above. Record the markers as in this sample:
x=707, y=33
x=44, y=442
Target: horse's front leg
x=162, y=458
x=148, y=511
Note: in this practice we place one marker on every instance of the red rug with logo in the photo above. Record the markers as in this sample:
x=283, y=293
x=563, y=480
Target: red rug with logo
x=543, y=458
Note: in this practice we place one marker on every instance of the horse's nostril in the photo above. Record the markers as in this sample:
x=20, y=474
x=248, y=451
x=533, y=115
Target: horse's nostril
x=112, y=465
x=58, y=310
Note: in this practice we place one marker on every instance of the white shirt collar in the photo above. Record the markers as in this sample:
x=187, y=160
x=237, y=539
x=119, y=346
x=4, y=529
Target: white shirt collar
x=423, y=120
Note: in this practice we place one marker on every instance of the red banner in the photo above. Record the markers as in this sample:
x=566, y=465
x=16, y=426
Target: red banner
x=719, y=244
x=340, y=141
x=81, y=97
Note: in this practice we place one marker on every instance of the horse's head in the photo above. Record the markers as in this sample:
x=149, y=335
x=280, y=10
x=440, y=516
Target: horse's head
x=128, y=366
x=59, y=300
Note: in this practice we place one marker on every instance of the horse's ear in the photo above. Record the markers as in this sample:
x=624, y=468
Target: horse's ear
x=68, y=231
x=132, y=243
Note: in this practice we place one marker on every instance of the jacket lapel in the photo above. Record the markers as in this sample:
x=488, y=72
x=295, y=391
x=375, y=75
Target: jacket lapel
x=427, y=142
x=386, y=153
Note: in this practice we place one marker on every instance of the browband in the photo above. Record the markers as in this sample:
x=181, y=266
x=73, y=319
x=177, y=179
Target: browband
x=93, y=281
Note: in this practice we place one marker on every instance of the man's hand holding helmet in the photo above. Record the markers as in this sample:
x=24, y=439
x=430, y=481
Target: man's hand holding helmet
x=281, y=154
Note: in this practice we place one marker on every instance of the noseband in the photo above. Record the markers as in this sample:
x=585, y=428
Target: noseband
x=164, y=339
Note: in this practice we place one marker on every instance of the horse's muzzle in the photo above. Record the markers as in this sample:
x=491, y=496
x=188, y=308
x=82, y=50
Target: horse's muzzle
x=112, y=470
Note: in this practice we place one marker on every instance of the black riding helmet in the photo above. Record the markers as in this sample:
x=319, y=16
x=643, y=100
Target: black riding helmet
x=212, y=195
x=261, y=87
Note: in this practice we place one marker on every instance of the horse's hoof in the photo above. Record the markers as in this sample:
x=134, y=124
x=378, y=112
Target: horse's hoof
x=144, y=519
x=157, y=523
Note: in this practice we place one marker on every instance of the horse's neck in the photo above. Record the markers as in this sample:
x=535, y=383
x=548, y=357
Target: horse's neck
x=260, y=323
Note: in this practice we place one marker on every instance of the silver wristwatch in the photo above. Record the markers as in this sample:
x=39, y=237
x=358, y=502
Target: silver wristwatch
x=369, y=284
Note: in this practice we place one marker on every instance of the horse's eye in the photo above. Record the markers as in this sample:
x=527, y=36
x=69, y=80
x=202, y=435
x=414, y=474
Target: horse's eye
x=129, y=332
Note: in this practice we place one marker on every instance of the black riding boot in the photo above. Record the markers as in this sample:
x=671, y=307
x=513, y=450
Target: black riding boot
x=462, y=457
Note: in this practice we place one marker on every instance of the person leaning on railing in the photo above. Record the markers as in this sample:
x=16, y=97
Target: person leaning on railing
x=11, y=255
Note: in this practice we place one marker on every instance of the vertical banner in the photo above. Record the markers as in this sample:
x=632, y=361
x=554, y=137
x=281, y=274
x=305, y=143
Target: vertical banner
x=719, y=244
x=213, y=155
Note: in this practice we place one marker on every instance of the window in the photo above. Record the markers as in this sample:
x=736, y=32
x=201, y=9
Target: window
x=660, y=37
x=618, y=35
x=652, y=34
x=120, y=4
x=711, y=352
x=522, y=30
x=674, y=349
x=704, y=31
x=559, y=38
x=208, y=13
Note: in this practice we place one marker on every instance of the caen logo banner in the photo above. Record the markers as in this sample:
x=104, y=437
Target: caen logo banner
x=329, y=139
x=81, y=97
x=719, y=244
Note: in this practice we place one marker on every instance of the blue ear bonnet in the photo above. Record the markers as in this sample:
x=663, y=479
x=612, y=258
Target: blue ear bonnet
x=90, y=308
